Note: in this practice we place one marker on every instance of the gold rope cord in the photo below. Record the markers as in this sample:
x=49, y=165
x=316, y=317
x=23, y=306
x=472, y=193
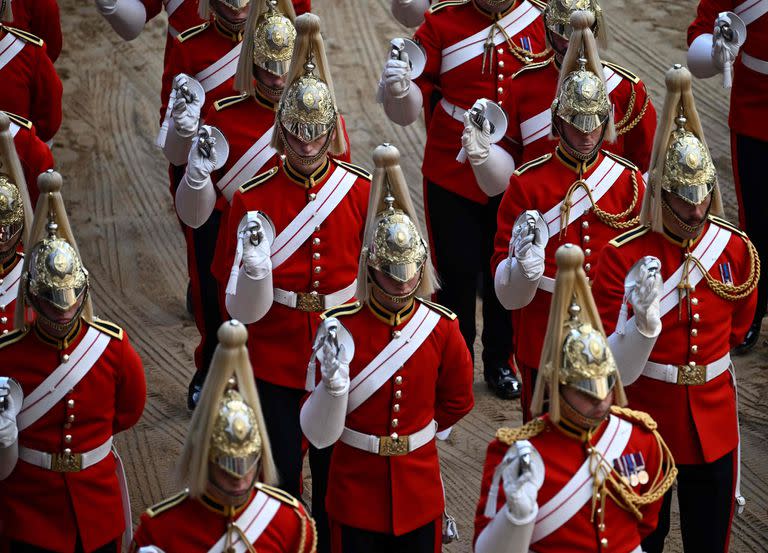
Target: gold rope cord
x=522, y=55
x=636, y=120
x=630, y=108
x=229, y=543
x=728, y=292
x=613, y=220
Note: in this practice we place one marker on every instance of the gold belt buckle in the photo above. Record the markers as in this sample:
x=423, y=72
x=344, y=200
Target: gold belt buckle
x=311, y=301
x=393, y=447
x=691, y=375
x=66, y=462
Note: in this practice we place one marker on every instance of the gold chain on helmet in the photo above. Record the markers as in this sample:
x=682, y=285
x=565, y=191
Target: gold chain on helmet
x=613, y=220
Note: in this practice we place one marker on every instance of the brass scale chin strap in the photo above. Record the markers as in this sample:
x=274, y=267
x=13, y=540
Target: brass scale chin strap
x=523, y=55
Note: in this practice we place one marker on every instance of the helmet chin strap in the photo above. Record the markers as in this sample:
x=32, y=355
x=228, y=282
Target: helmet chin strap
x=272, y=93
x=685, y=227
x=391, y=297
x=301, y=159
x=572, y=415
x=571, y=149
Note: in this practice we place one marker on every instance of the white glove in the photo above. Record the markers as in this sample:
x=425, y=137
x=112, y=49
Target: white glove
x=257, y=261
x=186, y=115
x=200, y=167
x=9, y=432
x=334, y=363
x=521, y=492
x=528, y=249
x=476, y=142
x=644, y=298
x=106, y=7
x=396, y=78
x=723, y=52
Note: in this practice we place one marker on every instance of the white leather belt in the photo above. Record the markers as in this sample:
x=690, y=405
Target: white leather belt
x=547, y=284
x=454, y=111
x=755, y=64
x=687, y=375
x=67, y=461
x=312, y=301
x=389, y=446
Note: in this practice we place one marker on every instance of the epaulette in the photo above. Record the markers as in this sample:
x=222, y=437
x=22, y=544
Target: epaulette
x=530, y=429
x=167, y=504
x=623, y=71
x=729, y=226
x=341, y=310
x=13, y=336
x=19, y=120
x=630, y=235
x=230, y=101
x=440, y=5
x=539, y=4
x=537, y=65
x=258, y=180
x=193, y=31
x=108, y=328
x=25, y=36
x=531, y=164
x=624, y=161
x=635, y=416
x=278, y=494
x=444, y=311
x=356, y=169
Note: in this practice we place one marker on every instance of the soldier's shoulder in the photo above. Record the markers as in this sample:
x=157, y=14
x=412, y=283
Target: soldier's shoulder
x=532, y=67
x=640, y=418
x=193, y=32
x=167, y=504
x=342, y=310
x=728, y=226
x=622, y=160
x=622, y=71
x=527, y=431
x=19, y=120
x=533, y=163
x=258, y=180
x=26, y=36
x=108, y=327
x=277, y=493
x=356, y=169
x=12, y=337
x=441, y=309
x=440, y=6
x=631, y=234
x=219, y=105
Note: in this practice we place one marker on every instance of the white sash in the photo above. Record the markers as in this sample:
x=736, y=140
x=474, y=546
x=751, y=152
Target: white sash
x=247, y=166
x=253, y=521
x=578, y=491
x=63, y=379
x=9, y=47
x=303, y=225
x=751, y=10
x=471, y=47
x=14, y=128
x=9, y=289
x=539, y=125
x=392, y=357
x=172, y=5
x=219, y=72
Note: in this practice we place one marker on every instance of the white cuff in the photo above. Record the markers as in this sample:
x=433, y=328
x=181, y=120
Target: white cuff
x=494, y=172
x=127, y=19
x=253, y=298
x=323, y=415
x=195, y=201
x=504, y=535
x=631, y=351
x=405, y=110
x=700, y=60
x=176, y=148
x=8, y=458
x=512, y=288
x=411, y=14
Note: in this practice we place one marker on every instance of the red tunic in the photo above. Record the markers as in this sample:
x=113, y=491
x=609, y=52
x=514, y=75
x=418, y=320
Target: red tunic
x=444, y=26
x=698, y=422
x=400, y=493
x=750, y=88
x=280, y=344
x=531, y=90
x=182, y=523
x=31, y=88
x=525, y=191
x=563, y=454
x=49, y=509
x=34, y=154
x=42, y=20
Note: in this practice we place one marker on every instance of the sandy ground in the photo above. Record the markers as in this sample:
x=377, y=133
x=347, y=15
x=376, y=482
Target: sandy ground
x=116, y=190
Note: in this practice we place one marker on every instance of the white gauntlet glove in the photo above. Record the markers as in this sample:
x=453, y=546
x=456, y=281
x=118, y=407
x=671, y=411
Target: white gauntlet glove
x=257, y=261
x=186, y=109
x=396, y=78
x=202, y=160
x=476, y=142
x=645, y=296
x=527, y=247
x=334, y=359
x=521, y=493
x=12, y=397
x=106, y=7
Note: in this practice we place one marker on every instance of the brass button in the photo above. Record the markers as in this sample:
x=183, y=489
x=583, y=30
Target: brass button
x=316, y=284
x=395, y=422
x=694, y=349
x=318, y=269
x=2, y=307
x=604, y=542
x=315, y=241
x=68, y=438
x=585, y=224
x=695, y=301
x=601, y=527
x=65, y=357
x=396, y=407
x=500, y=102
x=696, y=317
x=3, y=320
x=587, y=252
x=501, y=77
x=317, y=228
x=71, y=403
x=500, y=90
x=67, y=451
x=394, y=436
x=694, y=332
x=71, y=418
x=2, y=280
x=398, y=394
x=500, y=50
x=398, y=379
x=315, y=255
x=501, y=63
x=588, y=267
x=395, y=334
x=586, y=239
x=312, y=197
x=5, y=331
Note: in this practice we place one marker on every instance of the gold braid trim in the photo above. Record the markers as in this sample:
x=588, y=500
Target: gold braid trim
x=637, y=119
x=306, y=520
x=613, y=220
x=523, y=55
x=637, y=416
x=629, y=110
x=730, y=292
x=530, y=429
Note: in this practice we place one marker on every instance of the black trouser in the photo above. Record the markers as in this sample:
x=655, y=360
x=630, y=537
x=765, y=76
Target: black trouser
x=320, y=465
x=462, y=233
x=752, y=191
x=19, y=547
x=705, y=494
x=355, y=540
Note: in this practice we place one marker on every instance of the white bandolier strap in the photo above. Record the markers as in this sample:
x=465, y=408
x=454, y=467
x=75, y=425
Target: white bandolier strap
x=312, y=301
x=219, y=72
x=473, y=46
x=170, y=8
x=689, y=375
x=754, y=64
x=388, y=446
x=9, y=287
x=65, y=462
x=252, y=522
x=453, y=110
x=751, y=10
x=250, y=164
x=10, y=46
x=14, y=128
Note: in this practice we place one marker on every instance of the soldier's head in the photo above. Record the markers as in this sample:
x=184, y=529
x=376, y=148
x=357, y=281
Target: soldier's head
x=394, y=264
x=582, y=114
x=308, y=124
x=227, y=449
x=494, y=6
x=11, y=218
x=682, y=185
x=557, y=23
x=231, y=14
x=577, y=369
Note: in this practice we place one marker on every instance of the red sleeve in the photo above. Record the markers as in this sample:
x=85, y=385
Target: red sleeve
x=46, y=23
x=224, y=255
x=46, y=98
x=706, y=13
x=173, y=67
x=36, y=158
x=493, y=457
x=153, y=7
x=141, y=536
x=743, y=310
x=608, y=287
x=429, y=81
x=514, y=202
x=302, y=6
x=454, y=397
x=131, y=389
x=638, y=141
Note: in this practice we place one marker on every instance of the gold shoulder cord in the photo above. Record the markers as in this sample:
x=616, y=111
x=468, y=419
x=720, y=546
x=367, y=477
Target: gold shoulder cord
x=523, y=55
x=613, y=220
x=525, y=432
x=306, y=519
x=622, y=127
x=730, y=292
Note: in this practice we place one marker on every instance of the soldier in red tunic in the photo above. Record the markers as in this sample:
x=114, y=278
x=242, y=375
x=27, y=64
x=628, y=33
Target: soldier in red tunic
x=81, y=383
x=394, y=370
x=470, y=47
x=31, y=88
x=227, y=467
x=588, y=476
x=34, y=154
x=42, y=20
x=714, y=48
x=705, y=305
x=578, y=193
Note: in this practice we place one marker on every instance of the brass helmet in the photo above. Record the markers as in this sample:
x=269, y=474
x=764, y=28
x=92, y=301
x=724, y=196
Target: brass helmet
x=582, y=100
x=11, y=215
x=273, y=40
x=397, y=248
x=236, y=443
x=204, y=6
x=557, y=16
x=688, y=169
